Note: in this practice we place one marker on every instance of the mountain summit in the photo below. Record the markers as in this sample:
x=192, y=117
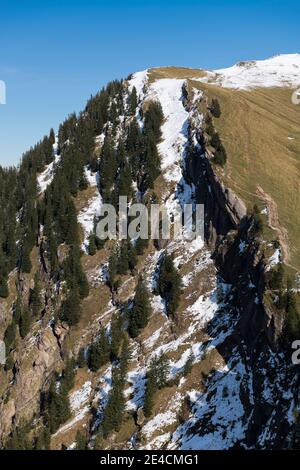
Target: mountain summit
x=164, y=343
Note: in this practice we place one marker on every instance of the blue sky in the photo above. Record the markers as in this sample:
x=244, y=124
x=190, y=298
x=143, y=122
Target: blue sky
x=54, y=55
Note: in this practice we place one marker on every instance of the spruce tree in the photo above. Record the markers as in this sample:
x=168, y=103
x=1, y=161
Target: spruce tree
x=149, y=393
x=81, y=360
x=99, y=352
x=115, y=408
x=25, y=321
x=52, y=137
x=68, y=376
x=71, y=308
x=92, y=245
x=133, y=101
x=169, y=284
x=35, y=296
x=17, y=310
x=116, y=334
x=81, y=441
x=43, y=439
x=188, y=365
x=58, y=407
x=10, y=336
x=141, y=310
x=112, y=269
x=3, y=287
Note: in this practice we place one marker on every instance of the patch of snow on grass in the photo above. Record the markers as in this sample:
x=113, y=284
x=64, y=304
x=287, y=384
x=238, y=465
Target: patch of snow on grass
x=219, y=410
x=86, y=217
x=162, y=420
x=80, y=397
x=91, y=177
x=174, y=128
x=279, y=71
x=139, y=80
x=275, y=258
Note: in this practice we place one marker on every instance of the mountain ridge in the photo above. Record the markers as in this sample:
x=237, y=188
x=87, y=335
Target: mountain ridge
x=230, y=383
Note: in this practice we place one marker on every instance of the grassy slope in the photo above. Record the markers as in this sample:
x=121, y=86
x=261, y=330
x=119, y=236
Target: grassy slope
x=254, y=127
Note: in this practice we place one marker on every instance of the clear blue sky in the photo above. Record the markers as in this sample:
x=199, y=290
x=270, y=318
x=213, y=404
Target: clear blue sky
x=54, y=55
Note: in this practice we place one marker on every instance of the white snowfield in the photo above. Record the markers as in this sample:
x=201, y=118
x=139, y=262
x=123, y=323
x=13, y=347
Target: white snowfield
x=174, y=129
x=279, y=71
x=139, y=80
x=46, y=177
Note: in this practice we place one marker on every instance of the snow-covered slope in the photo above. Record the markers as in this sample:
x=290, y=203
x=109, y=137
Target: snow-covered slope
x=279, y=71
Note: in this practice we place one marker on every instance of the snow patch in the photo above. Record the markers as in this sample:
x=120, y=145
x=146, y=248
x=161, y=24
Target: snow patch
x=279, y=71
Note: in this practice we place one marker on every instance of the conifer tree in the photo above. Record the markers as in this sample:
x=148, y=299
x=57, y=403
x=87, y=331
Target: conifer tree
x=3, y=287
x=71, y=308
x=58, y=407
x=43, y=439
x=68, y=376
x=115, y=408
x=17, y=310
x=112, y=269
x=81, y=441
x=132, y=101
x=169, y=284
x=52, y=137
x=25, y=321
x=140, y=313
x=140, y=245
x=81, y=360
x=25, y=259
x=157, y=378
x=107, y=169
x=92, y=244
x=10, y=336
x=99, y=352
x=74, y=274
x=149, y=393
x=188, y=365
x=116, y=334
x=35, y=296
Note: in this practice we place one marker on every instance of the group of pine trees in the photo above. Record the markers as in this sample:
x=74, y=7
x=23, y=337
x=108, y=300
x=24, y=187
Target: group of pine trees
x=115, y=408
x=136, y=159
x=23, y=316
x=123, y=259
x=55, y=402
x=106, y=347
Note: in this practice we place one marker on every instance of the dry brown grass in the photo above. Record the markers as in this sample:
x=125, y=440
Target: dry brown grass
x=255, y=127
x=175, y=72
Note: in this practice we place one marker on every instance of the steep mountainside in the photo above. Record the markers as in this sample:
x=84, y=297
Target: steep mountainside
x=165, y=344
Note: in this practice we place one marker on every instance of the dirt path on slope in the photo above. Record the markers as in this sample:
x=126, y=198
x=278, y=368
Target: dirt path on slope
x=273, y=222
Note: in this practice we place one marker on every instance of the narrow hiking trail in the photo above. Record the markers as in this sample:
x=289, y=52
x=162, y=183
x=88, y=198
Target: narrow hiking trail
x=273, y=222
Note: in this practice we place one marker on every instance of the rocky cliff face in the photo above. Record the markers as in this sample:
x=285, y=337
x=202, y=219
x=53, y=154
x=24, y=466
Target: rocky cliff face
x=241, y=391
